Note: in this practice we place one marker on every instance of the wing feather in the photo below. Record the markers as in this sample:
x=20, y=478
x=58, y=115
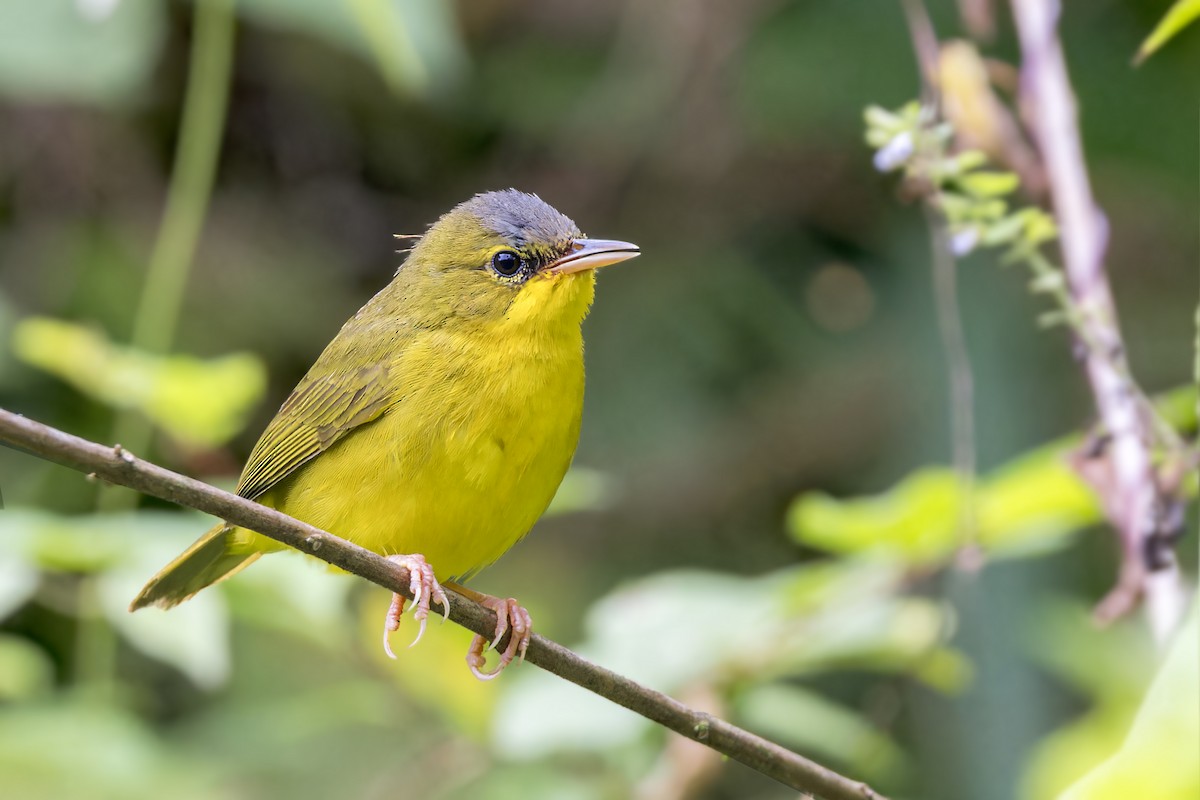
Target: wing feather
x=319, y=412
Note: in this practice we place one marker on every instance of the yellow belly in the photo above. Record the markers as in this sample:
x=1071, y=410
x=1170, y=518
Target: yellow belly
x=460, y=469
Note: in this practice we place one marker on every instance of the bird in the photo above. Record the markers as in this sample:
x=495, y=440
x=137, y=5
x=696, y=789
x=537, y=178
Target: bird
x=437, y=425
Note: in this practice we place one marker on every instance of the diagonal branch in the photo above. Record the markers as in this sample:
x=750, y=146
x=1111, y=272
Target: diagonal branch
x=117, y=465
x=1135, y=502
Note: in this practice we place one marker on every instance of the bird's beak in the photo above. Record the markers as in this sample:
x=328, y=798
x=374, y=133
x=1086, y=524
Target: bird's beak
x=592, y=253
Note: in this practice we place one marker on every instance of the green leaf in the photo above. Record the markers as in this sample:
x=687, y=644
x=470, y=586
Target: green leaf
x=1178, y=17
x=87, y=750
x=884, y=120
x=1003, y=231
x=807, y=722
x=26, y=670
x=915, y=520
x=583, y=489
x=120, y=552
x=415, y=44
x=55, y=50
x=1040, y=227
x=968, y=160
x=1026, y=507
x=718, y=630
x=199, y=402
x=1160, y=758
x=985, y=184
x=1048, y=282
x=1111, y=668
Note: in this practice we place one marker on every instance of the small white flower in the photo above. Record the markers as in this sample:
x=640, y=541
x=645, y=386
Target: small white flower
x=963, y=241
x=893, y=154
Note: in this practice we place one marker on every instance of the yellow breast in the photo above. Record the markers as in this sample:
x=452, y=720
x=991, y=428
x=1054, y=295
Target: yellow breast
x=462, y=466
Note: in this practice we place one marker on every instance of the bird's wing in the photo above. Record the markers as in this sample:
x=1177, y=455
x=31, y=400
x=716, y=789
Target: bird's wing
x=320, y=411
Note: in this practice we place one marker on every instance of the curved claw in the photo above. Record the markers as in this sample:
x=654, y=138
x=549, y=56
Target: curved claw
x=509, y=614
x=424, y=587
x=420, y=633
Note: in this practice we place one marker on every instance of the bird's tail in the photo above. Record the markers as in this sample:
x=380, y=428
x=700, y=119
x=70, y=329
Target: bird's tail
x=209, y=560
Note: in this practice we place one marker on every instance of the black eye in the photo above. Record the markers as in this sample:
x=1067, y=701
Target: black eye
x=506, y=263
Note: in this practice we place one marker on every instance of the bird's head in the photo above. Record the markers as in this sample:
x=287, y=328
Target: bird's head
x=509, y=255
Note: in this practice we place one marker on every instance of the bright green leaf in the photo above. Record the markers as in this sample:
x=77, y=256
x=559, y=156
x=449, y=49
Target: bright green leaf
x=1178, y=17
x=989, y=184
x=1110, y=667
x=1025, y=507
x=1160, y=758
x=968, y=160
x=917, y=519
x=200, y=402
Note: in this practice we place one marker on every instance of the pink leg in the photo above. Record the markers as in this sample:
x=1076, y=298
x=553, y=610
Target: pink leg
x=424, y=587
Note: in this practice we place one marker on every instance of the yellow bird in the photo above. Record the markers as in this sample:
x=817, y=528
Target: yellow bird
x=437, y=425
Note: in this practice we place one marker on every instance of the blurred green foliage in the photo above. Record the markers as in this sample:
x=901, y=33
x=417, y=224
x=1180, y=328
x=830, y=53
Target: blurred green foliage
x=201, y=403
x=1181, y=14
x=1157, y=759
x=755, y=382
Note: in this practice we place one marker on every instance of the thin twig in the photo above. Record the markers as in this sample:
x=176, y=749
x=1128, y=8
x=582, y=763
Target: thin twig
x=1134, y=501
x=117, y=465
x=962, y=384
x=949, y=309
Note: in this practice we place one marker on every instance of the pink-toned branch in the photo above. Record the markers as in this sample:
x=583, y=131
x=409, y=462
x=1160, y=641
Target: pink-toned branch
x=1122, y=470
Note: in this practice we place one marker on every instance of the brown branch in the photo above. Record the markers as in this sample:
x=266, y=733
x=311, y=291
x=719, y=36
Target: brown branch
x=1132, y=497
x=117, y=465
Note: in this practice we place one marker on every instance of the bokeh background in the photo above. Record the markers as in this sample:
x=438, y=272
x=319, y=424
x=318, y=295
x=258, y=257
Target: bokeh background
x=772, y=356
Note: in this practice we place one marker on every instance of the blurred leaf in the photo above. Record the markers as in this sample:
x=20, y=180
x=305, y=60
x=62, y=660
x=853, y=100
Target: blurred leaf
x=414, y=43
x=200, y=402
x=25, y=669
x=680, y=628
x=18, y=582
x=1111, y=667
x=540, y=781
x=1024, y=508
x=87, y=751
x=122, y=551
x=193, y=637
x=54, y=50
x=434, y=673
x=807, y=722
x=1178, y=17
x=916, y=519
x=1178, y=408
x=1160, y=758
x=583, y=489
x=989, y=184
x=850, y=615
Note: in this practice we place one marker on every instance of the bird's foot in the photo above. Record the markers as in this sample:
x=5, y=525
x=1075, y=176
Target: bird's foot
x=424, y=587
x=510, y=615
